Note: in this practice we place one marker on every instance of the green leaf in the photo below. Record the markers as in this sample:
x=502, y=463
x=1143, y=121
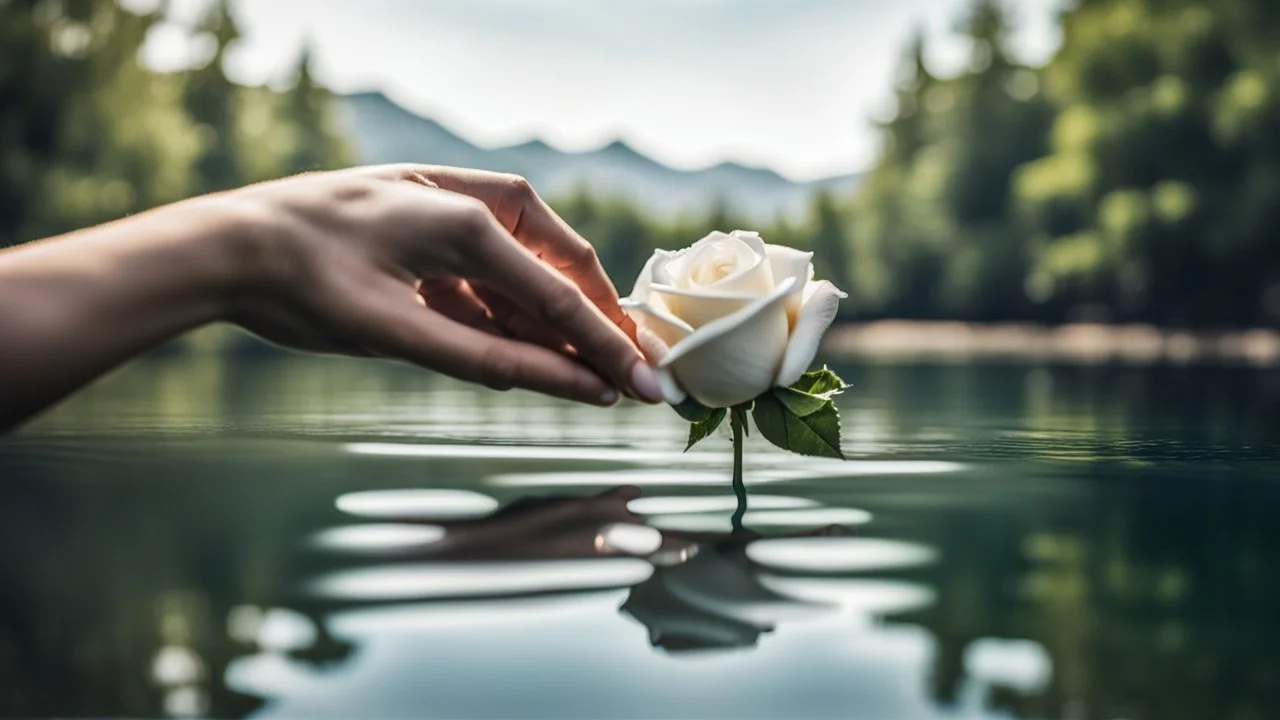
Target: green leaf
x=817, y=433
x=771, y=420
x=823, y=383
x=694, y=411
x=701, y=429
x=800, y=403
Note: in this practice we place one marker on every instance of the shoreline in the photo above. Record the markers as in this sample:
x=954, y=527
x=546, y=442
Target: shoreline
x=1083, y=343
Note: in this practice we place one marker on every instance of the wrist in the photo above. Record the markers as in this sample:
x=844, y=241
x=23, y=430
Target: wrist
x=240, y=254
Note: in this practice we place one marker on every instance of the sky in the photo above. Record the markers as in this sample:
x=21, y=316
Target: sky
x=793, y=85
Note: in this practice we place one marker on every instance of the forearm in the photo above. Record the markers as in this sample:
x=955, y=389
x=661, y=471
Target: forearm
x=75, y=306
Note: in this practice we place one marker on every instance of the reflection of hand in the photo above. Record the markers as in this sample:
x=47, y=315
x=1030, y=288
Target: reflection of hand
x=703, y=592
x=562, y=526
x=540, y=528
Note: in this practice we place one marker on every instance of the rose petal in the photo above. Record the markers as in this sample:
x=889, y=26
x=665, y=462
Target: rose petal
x=789, y=262
x=821, y=300
x=672, y=393
x=735, y=358
x=699, y=308
x=701, y=267
x=662, y=265
x=656, y=329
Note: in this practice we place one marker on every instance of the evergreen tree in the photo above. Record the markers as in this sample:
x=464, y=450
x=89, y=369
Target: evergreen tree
x=212, y=101
x=905, y=134
x=831, y=241
x=1160, y=193
x=308, y=107
x=86, y=133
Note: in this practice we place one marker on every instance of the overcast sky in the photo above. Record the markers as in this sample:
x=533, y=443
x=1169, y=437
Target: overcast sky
x=788, y=84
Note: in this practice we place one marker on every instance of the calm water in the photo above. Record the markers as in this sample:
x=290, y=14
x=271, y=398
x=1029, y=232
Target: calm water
x=312, y=538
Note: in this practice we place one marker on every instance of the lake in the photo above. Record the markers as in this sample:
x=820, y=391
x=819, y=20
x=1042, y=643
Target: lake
x=289, y=537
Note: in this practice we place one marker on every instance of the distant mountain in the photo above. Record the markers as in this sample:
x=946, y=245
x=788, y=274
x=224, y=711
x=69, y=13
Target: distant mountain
x=385, y=132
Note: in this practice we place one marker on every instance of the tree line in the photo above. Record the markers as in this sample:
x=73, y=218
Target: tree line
x=1133, y=177
x=88, y=134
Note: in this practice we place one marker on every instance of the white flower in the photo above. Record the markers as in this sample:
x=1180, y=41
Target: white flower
x=730, y=317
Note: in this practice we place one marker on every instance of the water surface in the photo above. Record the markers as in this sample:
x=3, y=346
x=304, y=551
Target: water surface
x=287, y=537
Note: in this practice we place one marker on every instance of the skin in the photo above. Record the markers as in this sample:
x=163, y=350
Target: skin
x=464, y=272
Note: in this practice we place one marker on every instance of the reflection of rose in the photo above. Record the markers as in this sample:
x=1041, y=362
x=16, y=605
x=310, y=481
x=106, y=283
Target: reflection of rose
x=713, y=600
x=730, y=317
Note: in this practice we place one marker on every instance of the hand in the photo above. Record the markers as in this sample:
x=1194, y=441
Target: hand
x=465, y=272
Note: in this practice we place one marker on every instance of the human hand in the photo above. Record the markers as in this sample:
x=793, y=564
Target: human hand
x=465, y=272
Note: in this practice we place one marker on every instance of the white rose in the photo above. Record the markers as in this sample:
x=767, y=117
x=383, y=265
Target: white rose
x=730, y=317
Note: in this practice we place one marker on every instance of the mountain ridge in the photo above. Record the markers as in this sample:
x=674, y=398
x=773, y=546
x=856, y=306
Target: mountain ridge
x=384, y=131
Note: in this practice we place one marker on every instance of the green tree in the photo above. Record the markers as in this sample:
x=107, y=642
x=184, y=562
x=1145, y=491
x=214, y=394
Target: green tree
x=1158, y=197
x=318, y=143
x=213, y=102
x=933, y=229
x=830, y=240
x=86, y=133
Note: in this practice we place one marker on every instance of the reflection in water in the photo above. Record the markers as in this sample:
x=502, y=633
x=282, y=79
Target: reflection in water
x=628, y=539
x=723, y=522
x=1021, y=665
x=273, y=629
x=415, y=503
x=861, y=595
x=712, y=503
x=642, y=478
x=769, y=465
x=713, y=600
x=1073, y=543
x=378, y=538
x=836, y=555
x=476, y=580
x=691, y=590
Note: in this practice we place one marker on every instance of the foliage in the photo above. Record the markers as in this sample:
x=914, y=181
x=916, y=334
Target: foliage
x=89, y=134
x=1134, y=177
x=802, y=418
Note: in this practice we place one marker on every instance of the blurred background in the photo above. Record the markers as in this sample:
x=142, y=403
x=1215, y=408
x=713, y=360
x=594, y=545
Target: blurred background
x=1047, y=161
x=1079, y=528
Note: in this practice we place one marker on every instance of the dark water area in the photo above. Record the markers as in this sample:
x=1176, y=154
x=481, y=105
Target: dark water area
x=288, y=537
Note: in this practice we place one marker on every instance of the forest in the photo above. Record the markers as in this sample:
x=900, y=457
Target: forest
x=1134, y=177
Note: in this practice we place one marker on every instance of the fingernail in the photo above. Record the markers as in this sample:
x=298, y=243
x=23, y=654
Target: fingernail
x=645, y=383
x=609, y=397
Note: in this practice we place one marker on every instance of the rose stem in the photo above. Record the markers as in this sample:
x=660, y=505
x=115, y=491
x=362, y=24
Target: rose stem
x=736, y=420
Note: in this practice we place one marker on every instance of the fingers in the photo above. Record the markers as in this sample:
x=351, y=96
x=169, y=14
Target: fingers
x=476, y=246
x=456, y=300
x=518, y=325
x=547, y=297
x=525, y=215
x=483, y=309
x=421, y=336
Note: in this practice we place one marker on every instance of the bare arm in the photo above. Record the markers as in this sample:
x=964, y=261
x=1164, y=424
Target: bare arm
x=73, y=307
x=462, y=272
